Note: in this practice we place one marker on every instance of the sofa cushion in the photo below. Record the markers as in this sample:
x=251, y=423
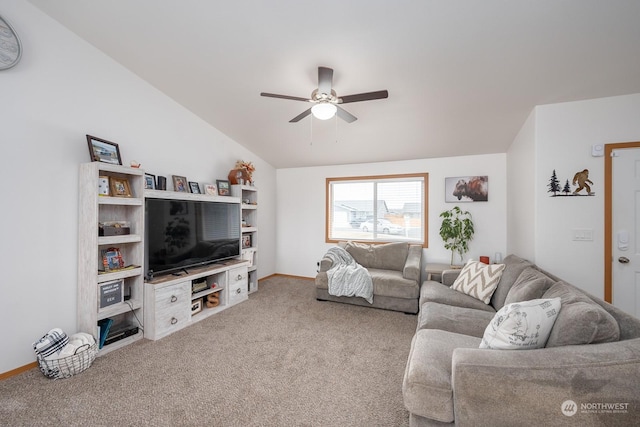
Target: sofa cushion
x=437, y=292
x=426, y=387
x=522, y=325
x=388, y=256
x=465, y=321
x=479, y=280
x=391, y=283
x=531, y=284
x=513, y=266
x=581, y=320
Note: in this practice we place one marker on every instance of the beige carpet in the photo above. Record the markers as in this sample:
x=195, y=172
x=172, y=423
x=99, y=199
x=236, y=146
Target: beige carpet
x=280, y=359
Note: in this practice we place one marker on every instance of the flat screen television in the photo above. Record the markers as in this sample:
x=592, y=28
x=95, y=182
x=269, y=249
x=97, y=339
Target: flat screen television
x=182, y=234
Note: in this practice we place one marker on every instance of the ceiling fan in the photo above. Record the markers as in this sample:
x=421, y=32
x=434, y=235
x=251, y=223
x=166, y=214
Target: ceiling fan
x=326, y=101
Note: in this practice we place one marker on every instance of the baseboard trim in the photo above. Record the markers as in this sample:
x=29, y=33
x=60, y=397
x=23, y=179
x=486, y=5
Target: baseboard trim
x=290, y=276
x=18, y=371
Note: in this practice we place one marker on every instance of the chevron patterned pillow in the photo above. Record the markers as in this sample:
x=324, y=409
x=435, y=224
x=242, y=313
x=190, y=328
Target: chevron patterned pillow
x=479, y=280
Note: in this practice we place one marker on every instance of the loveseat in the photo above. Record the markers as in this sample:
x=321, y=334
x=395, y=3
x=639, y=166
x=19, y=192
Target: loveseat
x=394, y=270
x=587, y=373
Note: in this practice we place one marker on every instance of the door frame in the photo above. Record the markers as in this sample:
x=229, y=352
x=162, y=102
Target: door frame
x=608, y=214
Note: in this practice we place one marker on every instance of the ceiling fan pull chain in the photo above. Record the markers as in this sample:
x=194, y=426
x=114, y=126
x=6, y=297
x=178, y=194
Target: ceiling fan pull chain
x=336, y=120
x=311, y=132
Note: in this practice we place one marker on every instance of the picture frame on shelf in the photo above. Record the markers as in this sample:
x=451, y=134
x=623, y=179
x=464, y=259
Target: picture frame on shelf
x=162, y=183
x=246, y=241
x=149, y=181
x=194, y=187
x=112, y=259
x=210, y=189
x=196, y=306
x=180, y=184
x=224, y=188
x=120, y=187
x=103, y=151
x=103, y=186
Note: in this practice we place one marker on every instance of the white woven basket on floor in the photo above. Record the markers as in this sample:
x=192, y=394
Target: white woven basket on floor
x=66, y=367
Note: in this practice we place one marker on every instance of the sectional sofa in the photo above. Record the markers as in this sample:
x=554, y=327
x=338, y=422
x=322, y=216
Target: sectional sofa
x=587, y=373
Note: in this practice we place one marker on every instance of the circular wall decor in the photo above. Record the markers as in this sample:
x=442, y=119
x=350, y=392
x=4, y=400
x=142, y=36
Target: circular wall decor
x=10, y=48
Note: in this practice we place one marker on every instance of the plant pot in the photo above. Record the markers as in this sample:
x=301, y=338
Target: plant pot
x=236, y=174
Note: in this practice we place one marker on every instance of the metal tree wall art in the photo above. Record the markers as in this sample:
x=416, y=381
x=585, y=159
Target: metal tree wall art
x=580, y=180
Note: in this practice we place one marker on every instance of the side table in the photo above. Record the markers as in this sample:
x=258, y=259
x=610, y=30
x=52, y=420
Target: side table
x=434, y=271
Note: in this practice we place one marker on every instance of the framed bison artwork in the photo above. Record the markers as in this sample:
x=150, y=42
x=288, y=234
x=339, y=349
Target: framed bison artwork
x=466, y=189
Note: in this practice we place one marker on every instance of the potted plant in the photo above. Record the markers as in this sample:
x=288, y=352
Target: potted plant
x=456, y=231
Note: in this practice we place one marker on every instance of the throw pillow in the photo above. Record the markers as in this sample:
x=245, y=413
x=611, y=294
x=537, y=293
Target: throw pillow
x=478, y=280
x=531, y=284
x=581, y=321
x=522, y=325
x=514, y=265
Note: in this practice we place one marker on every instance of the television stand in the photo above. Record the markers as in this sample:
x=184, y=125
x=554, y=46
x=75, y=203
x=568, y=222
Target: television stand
x=179, y=273
x=170, y=304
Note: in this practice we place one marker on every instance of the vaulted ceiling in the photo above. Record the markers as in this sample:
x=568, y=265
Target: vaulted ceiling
x=462, y=75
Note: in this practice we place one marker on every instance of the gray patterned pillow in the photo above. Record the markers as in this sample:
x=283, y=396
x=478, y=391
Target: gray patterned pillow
x=478, y=280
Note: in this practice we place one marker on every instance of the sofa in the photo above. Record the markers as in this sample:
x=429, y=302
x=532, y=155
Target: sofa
x=395, y=273
x=586, y=373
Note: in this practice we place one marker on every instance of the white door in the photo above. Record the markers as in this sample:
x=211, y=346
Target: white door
x=626, y=229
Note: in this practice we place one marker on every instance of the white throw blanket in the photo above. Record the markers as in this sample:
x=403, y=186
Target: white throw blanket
x=347, y=277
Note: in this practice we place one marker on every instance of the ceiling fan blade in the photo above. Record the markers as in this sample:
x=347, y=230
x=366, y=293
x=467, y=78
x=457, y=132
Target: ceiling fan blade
x=301, y=116
x=364, y=97
x=294, y=98
x=345, y=115
x=325, y=80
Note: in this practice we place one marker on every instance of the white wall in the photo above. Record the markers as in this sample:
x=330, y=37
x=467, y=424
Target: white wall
x=564, y=136
x=521, y=181
x=62, y=89
x=301, y=207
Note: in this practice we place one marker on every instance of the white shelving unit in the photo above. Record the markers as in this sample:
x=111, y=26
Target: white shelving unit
x=249, y=196
x=95, y=209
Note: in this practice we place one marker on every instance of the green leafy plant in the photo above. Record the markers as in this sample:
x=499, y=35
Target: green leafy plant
x=456, y=231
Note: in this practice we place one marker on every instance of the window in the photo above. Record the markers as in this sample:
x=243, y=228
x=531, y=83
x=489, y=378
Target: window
x=390, y=208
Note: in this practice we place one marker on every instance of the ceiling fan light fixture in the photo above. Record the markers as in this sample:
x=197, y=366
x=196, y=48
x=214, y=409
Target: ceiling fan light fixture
x=323, y=110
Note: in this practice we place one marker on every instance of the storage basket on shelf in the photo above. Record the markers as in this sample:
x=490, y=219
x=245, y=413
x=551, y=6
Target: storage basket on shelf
x=66, y=367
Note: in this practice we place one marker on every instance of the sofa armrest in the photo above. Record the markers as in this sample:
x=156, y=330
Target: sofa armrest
x=533, y=385
x=325, y=264
x=450, y=276
x=411, y=270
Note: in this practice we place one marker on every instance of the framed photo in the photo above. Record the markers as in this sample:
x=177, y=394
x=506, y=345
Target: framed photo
x=103, y=151
x=149, y=181
x=162, y=183
x=210, y=189
x=194, y=187
x=180, y=184
x=196, y=306
x=119, y=187
x=103, y=186
x=223, y=187
x=466, y=189
x=112, y=259
x=246, y=241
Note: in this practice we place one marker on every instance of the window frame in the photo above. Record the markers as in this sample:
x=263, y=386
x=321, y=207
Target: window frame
x=378, y=178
